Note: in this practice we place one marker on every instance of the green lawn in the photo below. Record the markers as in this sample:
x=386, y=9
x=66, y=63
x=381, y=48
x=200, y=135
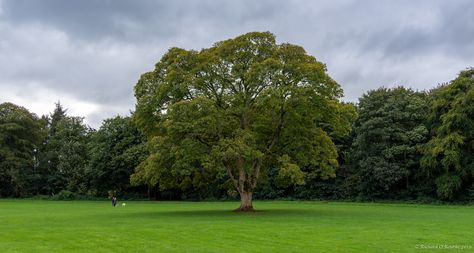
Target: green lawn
x=280, y=226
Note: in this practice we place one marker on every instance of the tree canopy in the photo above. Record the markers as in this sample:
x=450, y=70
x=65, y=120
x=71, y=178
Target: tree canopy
x=115, y=150
x=449, y=155
x=64, y=156
x=20, y=137
x=238, y=108
x=389, y=133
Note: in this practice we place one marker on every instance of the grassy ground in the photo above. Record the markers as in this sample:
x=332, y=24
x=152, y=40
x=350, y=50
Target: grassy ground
x=87, y=226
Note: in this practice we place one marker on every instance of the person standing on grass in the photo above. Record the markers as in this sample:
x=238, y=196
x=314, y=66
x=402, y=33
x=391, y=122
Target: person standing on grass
x=114, y=201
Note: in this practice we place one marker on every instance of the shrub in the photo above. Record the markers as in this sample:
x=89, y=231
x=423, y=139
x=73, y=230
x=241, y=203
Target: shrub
x=64, y=195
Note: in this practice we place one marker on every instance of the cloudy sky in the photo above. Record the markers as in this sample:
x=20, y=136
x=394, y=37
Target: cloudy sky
x=89, y=54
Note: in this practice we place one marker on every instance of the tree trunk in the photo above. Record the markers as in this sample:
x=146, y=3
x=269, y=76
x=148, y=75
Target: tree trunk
x=245, y=202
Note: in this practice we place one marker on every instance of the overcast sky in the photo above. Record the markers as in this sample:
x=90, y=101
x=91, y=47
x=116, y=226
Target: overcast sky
x=89, y=54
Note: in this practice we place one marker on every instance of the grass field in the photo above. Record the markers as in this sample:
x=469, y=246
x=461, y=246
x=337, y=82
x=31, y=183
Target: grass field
x=280, y=226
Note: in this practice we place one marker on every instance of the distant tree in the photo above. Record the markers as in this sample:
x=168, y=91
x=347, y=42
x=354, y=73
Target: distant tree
x=20, y=136
x=72, y=137
x=238, y=108
x=388, y=136
x=48, y=151
x=64, y=156
x=59, y=113
x=449, y=155
x=115, y=150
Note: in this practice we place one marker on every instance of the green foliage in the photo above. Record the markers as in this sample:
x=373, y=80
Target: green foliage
x=64, y=156
x=115, y=150
x=20, y=136
x=289, y=173
x=447, y=185
x=449, y=155
x=72, y=136
x=64, y=195
x=471, y=193
x=233, y=109
x=388, y=136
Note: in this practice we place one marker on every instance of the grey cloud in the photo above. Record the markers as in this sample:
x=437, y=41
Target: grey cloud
x=94, y=51
x=452, y=32
x=134, y=20
x=84, y=19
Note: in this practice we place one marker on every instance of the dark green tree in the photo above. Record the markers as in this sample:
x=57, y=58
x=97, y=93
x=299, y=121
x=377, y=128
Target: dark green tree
x=63, y=155
x=71, y=137
x=388, y=136
x=20, y=136
x=449, y=155
x=48, y=152
x=238, y=108
x=115, y=150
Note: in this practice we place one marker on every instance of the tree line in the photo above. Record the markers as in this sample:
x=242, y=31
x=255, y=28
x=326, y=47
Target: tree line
x=210, y=124
x=57, y=155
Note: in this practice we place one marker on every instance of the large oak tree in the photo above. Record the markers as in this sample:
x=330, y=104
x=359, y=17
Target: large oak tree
x=236, y=109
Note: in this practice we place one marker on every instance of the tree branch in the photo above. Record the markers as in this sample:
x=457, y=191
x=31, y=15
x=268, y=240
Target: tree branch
x=276, y=135
x=236, y=183
x=256, y=165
